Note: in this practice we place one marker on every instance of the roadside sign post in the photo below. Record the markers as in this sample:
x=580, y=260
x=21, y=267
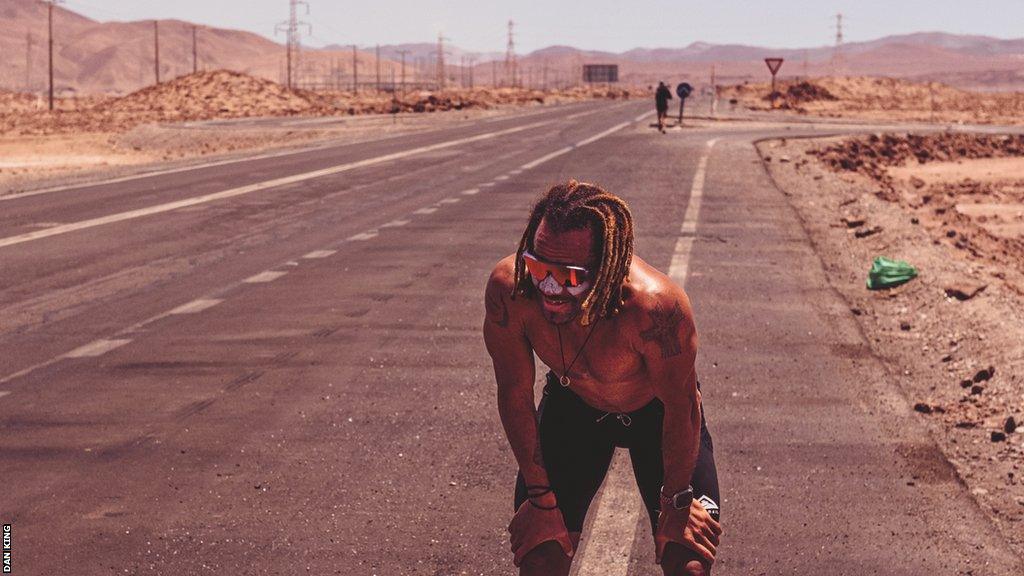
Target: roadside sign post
x=773, y=66
x=683, y=91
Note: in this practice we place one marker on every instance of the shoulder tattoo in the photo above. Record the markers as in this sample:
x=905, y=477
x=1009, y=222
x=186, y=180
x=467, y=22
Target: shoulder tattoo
x=497, y=310
x=665, y=330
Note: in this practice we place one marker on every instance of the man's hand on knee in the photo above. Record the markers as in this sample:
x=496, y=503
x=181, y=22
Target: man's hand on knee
x=693, y=529
x=533, y=526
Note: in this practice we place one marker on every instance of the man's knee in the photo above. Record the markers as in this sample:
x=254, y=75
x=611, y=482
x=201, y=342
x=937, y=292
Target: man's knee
x=547, y=559
x=681, y=561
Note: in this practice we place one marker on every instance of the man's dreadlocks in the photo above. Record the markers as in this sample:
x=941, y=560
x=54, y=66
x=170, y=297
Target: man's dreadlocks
x=577, y=206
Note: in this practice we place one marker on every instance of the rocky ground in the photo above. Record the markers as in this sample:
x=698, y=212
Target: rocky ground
x=952, y=205
x=878, y=98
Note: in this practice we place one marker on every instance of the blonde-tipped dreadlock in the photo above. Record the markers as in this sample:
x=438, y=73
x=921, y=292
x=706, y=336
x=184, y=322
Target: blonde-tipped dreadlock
x=575, y=206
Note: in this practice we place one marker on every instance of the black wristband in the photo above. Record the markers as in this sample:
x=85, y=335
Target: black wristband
x=543, y=490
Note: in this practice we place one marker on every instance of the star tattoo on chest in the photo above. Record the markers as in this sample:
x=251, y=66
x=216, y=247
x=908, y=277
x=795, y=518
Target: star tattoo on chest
x=665, y=331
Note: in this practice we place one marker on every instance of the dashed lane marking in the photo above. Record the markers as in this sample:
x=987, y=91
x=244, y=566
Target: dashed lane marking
x=395, y=223
x=450, y=201
x=364, y=236
x=196, y=306
x=263, y=277
x=470, y=192
x=97, y=348
x=427, y=210
x=242, y=190
x=319, y=254
x=4, y=393
x=618, y=510
x=501, y=178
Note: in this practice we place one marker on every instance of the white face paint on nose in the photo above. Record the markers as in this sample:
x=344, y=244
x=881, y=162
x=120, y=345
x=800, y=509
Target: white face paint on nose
x=578, y=290
x=548, y=286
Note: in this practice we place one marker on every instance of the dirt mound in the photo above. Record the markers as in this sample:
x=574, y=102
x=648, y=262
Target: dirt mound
x=872, y=154
x=803, y=92
x=883, y=98
x=206, y=95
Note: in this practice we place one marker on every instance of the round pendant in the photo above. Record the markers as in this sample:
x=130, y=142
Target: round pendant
x=564, y=380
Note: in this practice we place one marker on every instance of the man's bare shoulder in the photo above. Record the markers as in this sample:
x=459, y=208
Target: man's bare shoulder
x=501, y=307
x=650, y=289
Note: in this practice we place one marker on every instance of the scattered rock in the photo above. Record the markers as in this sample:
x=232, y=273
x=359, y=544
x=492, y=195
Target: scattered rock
x=964, y=290
x=998, y=436
x=1010, y=425
x=966, y=383
x=853, y=222
x=977, y=390
x=923, y=408
x=966, y=424
x=905, y=326
x=985, y=374
x=916, y=182
x=865, y=232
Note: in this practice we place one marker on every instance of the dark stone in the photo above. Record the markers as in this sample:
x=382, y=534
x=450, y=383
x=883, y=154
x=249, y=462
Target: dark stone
x=998, y=436
x=985, y=374
x=976, y=389
x=923, y=408
x=1010, y=425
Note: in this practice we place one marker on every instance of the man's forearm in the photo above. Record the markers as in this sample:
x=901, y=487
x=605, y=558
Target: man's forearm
x=680, y=444
x=519, y=418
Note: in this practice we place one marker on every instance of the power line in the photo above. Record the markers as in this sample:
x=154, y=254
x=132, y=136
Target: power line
x=291, y=29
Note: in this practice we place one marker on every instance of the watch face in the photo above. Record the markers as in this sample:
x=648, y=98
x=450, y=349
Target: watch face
x=683, y=499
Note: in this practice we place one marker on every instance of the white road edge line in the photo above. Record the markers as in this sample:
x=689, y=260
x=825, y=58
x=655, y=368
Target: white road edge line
x=96, y=348
x=230, y=193
x=263, y=277
x=607, y=549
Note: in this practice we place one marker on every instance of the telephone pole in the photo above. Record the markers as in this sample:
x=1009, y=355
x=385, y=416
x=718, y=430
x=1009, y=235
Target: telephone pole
x=291, y=30
x=440, y=61
x=49, y=18
x=28, y=62
x=403, y=53
x=510, y=55
x=378, y=67
x=156, y=49
x=355, y=71
x=195, y=53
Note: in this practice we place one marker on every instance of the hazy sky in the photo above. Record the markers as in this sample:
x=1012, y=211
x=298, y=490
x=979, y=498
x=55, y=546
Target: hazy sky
x=613, y=25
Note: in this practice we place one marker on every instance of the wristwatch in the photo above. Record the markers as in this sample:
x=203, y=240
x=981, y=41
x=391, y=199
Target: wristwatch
x=680, y=500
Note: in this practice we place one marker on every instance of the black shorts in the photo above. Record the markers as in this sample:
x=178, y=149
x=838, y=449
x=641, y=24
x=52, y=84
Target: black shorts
x=577, y=442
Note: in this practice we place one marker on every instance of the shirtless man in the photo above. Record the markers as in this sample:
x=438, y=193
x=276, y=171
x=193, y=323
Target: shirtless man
x=619, y=338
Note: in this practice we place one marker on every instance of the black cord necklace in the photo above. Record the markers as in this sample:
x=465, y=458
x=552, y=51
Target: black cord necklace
x=564, y=380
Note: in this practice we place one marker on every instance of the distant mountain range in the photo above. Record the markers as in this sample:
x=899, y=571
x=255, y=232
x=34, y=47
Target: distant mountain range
x=117, y=57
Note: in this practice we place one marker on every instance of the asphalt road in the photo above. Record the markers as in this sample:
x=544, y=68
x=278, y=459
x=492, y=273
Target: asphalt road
x=275, y=366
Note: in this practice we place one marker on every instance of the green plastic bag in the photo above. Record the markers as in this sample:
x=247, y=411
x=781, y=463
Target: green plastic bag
x=886, y=273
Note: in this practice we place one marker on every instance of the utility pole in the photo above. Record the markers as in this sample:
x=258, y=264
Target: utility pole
x=292, y=38
x=494, y=73
x=545, y=87
x=714, y=92
x=195, y=53
x=837, y=54
x=403, y=53
x=355, y=70
x=49, y=17
x=440, y=61
x=28, y=62
x=510, y=54
x=156, y=49
x=378, y=67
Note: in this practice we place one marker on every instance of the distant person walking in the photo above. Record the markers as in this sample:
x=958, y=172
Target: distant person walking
x=661, y=97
